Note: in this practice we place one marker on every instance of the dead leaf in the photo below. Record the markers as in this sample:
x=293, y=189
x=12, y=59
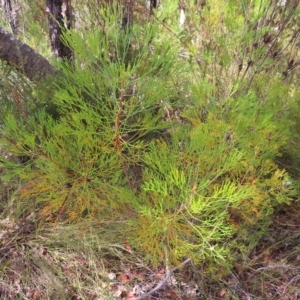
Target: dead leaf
x=222, y=293
x=139, y=276
x=127, y=246
x=130, y=296
x=36, y=295
x=172, y=295
x=161, y=272
x=123, y=278
x=267, y=257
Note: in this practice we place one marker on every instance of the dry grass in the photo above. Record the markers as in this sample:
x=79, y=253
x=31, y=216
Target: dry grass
x=89, y=262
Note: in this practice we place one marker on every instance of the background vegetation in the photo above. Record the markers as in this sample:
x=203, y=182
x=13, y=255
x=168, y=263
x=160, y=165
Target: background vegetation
x=170, y=137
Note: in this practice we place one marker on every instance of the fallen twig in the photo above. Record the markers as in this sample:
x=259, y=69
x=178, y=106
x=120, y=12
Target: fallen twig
x=272, y=267
x=169, y=273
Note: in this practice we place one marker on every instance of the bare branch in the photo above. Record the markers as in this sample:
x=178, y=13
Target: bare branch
x=271, y=267
x=169, y=273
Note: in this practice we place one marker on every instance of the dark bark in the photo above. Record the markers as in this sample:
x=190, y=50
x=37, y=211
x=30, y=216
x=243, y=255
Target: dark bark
x=152, y=5
x=69, y=14
x=57, y=27
x=11, y=9
x=127, y=11
x=23, y=57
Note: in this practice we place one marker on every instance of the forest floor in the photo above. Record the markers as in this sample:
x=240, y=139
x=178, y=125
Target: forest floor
x=57, y=262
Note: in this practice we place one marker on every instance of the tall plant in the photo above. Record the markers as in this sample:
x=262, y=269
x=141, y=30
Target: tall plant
x=111, y=102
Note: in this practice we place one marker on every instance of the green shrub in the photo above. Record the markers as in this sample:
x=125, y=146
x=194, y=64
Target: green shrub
x=110, y=107
x=215, y=178
x=185, y=158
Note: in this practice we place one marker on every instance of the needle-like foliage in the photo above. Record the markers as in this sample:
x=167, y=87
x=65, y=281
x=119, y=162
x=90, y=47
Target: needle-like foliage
x=184, y=151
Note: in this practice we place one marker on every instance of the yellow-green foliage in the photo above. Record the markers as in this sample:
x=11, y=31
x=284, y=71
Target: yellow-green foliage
x=81, y=165
x=72, y=173
x=183, y=149
x=215, y=178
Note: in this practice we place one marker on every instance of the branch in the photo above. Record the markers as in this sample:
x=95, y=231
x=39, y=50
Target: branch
x=271, y=267
x=169, y=273
x=23, y=58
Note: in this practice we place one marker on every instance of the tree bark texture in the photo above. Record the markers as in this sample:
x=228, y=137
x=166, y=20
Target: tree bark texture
x=11, y=11
x=152, y=5
x=23, y=57
x=57, y=26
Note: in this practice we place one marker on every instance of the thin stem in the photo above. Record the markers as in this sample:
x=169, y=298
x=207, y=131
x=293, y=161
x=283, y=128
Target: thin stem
x=169, y=273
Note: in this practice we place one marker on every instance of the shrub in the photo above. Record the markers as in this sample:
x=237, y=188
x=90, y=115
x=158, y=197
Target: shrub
x=187, y=161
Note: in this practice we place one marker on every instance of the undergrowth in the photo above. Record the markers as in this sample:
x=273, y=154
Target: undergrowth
x=172, y=146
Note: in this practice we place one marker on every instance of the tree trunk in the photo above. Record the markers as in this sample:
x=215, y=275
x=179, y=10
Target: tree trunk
x=127, y=11
x=11, y=11
x=23, y=57
x=57, y=26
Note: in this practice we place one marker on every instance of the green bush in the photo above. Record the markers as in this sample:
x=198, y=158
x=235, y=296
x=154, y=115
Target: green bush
x=186, y=159
x=217, y=177
x=110, y=107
